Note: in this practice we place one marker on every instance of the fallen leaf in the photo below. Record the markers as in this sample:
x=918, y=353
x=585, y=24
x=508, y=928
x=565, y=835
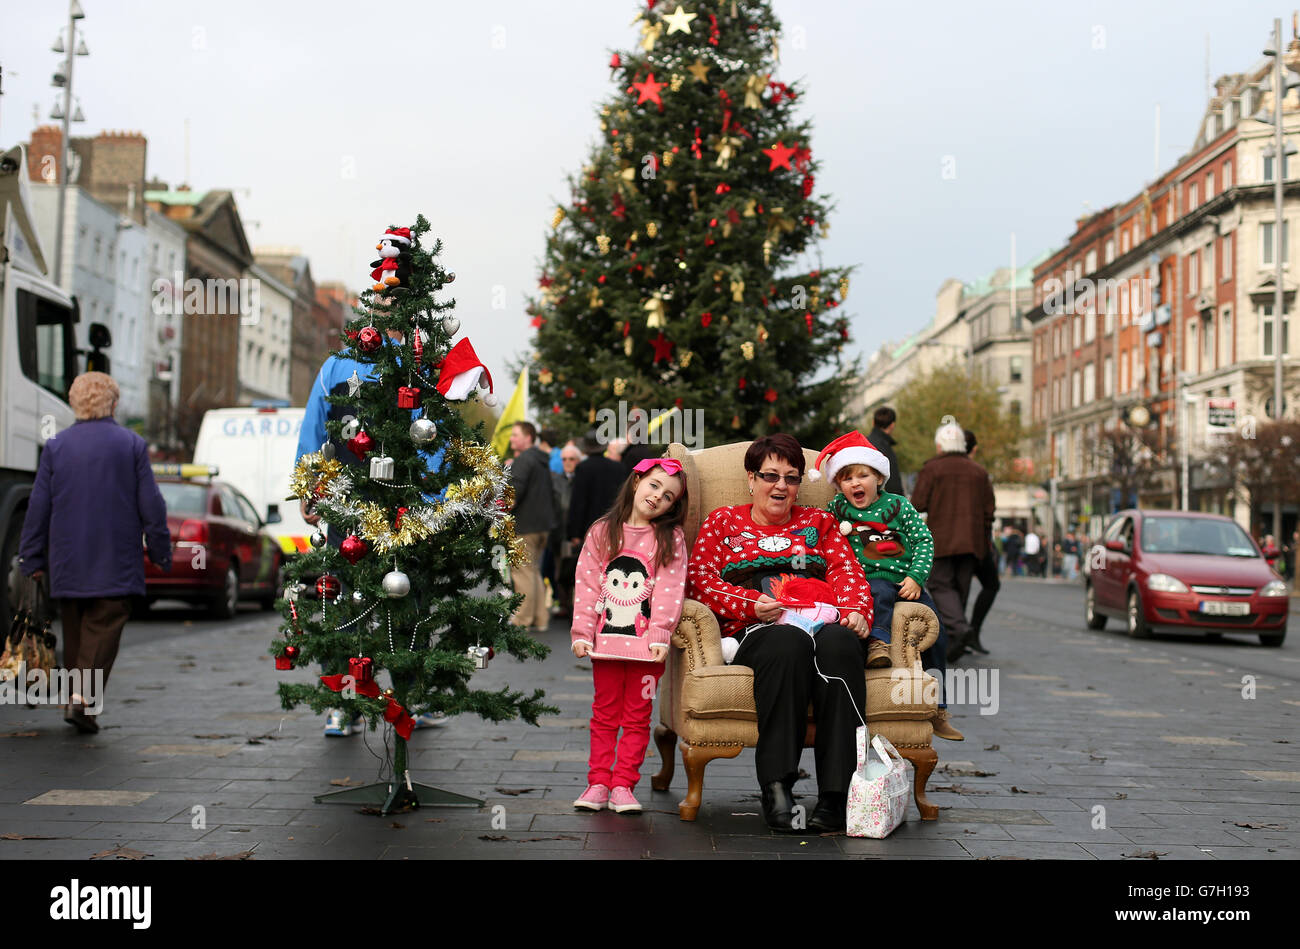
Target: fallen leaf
x=1147, y=854
x=26, y=837
x=965, y=772
x=993, y=748
x=1097, y=757
x=345, y=782
x=1282, y=741
x=123, y=853
x=515, y=792
x=1121, y=796
x=1248, y=824
x=1016, y=790
x=18, y=734
x=958, y=789
x=500, y=738
x=492, y=837
x=396, y=826
x=216, y=736
x=526, y=840
x=242, y=855
x=433, y=820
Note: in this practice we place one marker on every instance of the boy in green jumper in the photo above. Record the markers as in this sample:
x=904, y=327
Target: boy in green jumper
x=893, y=545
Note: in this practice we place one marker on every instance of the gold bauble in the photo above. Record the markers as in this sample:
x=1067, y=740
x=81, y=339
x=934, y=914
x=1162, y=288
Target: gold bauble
x=620, y=385
x=747, y=349
x=602, y=242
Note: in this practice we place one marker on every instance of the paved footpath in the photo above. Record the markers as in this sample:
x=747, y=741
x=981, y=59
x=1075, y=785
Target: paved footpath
x=1101, y=748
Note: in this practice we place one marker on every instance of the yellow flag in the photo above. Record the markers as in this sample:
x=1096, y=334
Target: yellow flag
x=659, y=420
x=515, y=411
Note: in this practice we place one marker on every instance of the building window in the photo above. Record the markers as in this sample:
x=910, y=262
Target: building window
x=1209, y=186
x=1207, y=264
x=1225, y=257
x=1192, y=197
x=1123, y=241
x=1266, y=242
x=1076, y=390
x=1189, y=347
x=1089, y=384
x=1134, y=380
x=1207, y=342
x=1227, y=175
x=1268, y=167
x=1110, y=250
x=1226, y=353
x=1193, y=274
x=1107, y=377
x=1014, y=408
x=1266, y=330
x=1123, y=373
x=1090, y=262
x=1017, y=368
x=1089, y=327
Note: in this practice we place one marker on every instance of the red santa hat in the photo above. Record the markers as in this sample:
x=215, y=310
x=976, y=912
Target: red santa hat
x=402, y=234
x=850, y=449
x=460, y=371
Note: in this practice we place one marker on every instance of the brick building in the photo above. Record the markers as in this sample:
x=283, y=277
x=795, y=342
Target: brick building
x=1164, y=302
x=290, y=267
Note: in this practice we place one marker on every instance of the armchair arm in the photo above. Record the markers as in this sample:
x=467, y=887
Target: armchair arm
x=915, y=630
x=698, y=636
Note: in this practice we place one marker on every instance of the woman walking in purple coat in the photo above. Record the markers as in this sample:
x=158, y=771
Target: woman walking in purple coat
x=94, y=497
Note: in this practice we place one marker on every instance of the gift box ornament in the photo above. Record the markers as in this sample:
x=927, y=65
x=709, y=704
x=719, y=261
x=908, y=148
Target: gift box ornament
x=361, y=668
x=479, y=655
x=381, y=467
x=408, y=397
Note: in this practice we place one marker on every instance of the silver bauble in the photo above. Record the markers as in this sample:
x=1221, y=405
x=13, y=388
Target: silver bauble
x=450, y=325
x=423, y=431
x=318, y=538
x=450, y=277
x=358, y=596
x=396, y=584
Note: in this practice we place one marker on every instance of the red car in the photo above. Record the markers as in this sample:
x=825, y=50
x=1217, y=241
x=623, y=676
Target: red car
x=1179, y=571
x=221, y=553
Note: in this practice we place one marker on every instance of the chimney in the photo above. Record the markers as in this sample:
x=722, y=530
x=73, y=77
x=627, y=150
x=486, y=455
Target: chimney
x=117, y=169
x=44, y=153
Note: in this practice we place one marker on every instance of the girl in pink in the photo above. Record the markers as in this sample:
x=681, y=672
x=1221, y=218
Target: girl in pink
x=630, y=582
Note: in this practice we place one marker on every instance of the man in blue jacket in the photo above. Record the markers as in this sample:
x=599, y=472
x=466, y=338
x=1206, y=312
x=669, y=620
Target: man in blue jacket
x=93, y=497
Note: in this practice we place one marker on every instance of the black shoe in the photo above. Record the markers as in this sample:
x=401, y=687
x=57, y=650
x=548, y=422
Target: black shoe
x=974, y=645
x=778, y=807
x=829, y=814
x=75, y=715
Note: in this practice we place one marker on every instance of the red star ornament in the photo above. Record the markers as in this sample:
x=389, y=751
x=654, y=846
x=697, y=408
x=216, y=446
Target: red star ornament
x=649, y=90
x=663, y=347
x=780, y=153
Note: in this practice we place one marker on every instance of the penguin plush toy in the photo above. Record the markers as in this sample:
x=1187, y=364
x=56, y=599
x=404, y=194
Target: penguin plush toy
x=393, y=268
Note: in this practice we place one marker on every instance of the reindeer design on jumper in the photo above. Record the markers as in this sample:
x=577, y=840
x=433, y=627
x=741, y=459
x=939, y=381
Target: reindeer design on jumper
x=879, y=541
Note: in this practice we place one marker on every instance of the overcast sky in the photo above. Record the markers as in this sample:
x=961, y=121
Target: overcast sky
x=331, y=119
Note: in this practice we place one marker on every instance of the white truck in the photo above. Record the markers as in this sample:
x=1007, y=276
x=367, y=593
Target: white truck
x=254, y=449
x=38, y=359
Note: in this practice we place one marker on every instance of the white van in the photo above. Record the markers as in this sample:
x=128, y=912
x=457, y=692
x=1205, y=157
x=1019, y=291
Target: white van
x=254, y=448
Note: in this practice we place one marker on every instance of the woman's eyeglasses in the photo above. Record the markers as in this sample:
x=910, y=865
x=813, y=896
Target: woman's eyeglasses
x=771, y=477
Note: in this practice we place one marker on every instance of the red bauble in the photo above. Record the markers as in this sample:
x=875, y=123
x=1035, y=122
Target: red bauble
x=706, y=319
x=408, y=398
x=369, y=340
x=291, y=652
x=741, y=383
x=328, y=587
x=361, y=668
x=360, y=444
x=353, y=549
x=615, y=61
x=556, y=408
x=770, y=395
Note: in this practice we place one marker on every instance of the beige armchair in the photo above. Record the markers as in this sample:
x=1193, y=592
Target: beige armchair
x=708, y=705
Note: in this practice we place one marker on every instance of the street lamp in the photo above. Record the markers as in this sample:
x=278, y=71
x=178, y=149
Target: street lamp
x=1279, y=89
x=66, y=113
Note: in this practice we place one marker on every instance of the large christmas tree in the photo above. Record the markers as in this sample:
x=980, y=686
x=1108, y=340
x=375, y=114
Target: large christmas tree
x=671, y=278
x=420, y=536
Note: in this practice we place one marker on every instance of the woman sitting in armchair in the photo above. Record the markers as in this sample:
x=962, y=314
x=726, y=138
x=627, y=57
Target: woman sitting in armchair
x=740, y=553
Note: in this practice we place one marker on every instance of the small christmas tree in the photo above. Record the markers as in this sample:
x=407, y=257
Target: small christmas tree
x=670, y=278
x=417, y=506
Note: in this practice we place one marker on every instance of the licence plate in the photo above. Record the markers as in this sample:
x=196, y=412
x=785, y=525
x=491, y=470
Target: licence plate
x=1224, y=608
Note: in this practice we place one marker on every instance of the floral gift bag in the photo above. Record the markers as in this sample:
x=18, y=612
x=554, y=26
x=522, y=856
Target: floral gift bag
x=879, y=790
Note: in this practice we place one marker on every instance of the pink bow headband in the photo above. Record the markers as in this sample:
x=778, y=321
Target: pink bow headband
x=670, y=465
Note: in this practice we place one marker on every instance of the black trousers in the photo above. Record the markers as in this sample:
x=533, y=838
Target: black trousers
x=949, y=584
x=987, y=574
x=785, y=681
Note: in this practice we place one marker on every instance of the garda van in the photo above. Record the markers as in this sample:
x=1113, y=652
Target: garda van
x=255, y=450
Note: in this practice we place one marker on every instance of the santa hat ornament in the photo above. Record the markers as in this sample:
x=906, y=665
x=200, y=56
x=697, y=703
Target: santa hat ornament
x=401, y=235
x=460, y=372
x=850, y=449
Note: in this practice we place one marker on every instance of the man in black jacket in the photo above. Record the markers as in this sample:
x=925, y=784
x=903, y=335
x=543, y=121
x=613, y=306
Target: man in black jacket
x=596, y=483
x=534, y=511
x=881, y=436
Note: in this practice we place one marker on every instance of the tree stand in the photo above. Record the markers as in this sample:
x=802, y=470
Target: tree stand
x=398, y=794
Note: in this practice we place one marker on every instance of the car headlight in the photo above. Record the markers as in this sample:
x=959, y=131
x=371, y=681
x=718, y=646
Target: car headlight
x=1163, y=583
x=1276, y=588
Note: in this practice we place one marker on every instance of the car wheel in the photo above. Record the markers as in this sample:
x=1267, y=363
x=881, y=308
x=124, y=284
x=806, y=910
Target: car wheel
x=1272, y=639
x=1137, y=623
x=1090, y=615
x=226, y=603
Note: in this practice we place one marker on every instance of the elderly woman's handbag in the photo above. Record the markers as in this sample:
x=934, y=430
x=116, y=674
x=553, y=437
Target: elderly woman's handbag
x=879, y=789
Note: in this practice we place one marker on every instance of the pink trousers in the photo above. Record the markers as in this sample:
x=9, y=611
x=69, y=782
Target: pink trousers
x=625, y=697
